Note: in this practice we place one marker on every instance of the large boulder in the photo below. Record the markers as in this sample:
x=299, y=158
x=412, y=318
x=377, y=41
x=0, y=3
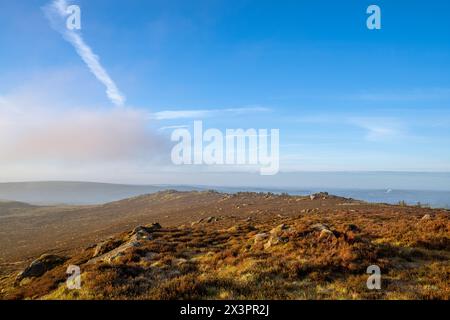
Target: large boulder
x=41, y=265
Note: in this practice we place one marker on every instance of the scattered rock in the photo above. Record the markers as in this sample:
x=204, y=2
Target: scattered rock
x=279, y=229
x=319, y=227
x=154, y=226
x=205, y=220
x=111, y=249
x=149, y=256
x=179, y=261
x=261, y=237
x=41, y=265
x=211, y=219
x=105, y=247
x=147, y=228
x=325, y=233
x=115, y=253
x=270, y=243
x=141, y=233
x=233, y=229
x=278, y=235
x=320, y=195
x=275, y=240
x=353, y=228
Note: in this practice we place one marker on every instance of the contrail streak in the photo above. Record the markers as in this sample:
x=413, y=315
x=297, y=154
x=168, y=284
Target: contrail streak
x=56, y=12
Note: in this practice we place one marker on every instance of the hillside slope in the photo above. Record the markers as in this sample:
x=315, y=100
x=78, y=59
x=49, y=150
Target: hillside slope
x=247, y=245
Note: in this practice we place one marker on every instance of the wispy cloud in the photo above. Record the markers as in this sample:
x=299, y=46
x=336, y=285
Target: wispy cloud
x=205, y=113
x=401, y=96
x=378, y=129
x=173, y=127
x=56, y=12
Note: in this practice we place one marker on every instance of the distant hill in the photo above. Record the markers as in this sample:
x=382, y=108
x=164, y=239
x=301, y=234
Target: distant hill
x=9, y=207
x=74, y=193
x=14, y=205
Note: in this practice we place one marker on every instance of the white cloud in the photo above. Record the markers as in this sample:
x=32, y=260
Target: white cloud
x=205, y=113
x=33, y=131
x=56, y=13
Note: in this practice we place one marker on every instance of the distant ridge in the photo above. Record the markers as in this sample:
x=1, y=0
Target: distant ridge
x=74, y=193
x=92, y=193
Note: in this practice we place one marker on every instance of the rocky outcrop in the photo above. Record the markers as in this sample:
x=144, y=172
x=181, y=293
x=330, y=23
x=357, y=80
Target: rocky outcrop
x=133, y=240
x=206, y=220
x=106, y=246
x=320, y=195
x=41, y=265
x=276, y=236
x=327, y=196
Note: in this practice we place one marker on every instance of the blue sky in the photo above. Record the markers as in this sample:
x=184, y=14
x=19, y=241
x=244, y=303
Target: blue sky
x=344, y=97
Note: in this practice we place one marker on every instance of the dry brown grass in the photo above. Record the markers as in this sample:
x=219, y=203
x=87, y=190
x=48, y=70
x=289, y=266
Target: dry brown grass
x=222, y=260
